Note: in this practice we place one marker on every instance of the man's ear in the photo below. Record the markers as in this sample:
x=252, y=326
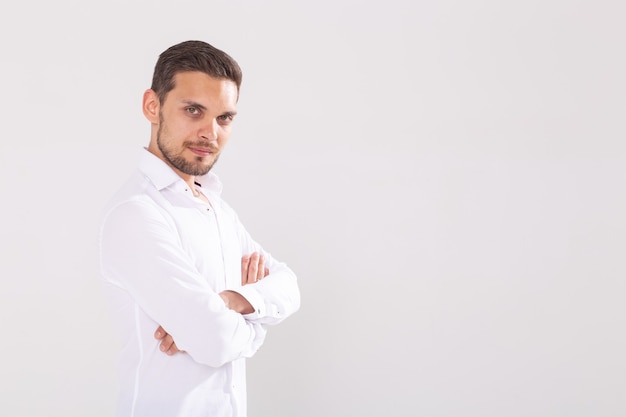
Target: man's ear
x=150, y=106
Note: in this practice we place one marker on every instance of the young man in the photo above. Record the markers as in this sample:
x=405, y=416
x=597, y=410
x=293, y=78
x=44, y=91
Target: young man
x=191, y=291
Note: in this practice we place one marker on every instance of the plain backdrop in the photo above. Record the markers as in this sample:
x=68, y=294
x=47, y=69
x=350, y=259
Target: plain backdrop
x=445, y=177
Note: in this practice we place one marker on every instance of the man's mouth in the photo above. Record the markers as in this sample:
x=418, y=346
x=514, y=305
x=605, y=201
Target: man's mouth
x=201, y=151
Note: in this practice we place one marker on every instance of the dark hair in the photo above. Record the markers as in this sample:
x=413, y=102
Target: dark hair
x=192, y=56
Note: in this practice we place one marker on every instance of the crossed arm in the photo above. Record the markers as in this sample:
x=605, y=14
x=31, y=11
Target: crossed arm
x=252, y=270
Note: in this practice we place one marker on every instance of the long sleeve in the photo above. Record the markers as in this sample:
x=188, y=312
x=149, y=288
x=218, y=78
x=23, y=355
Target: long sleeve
x=276, y=296
x=142, y=254
x=165, y=257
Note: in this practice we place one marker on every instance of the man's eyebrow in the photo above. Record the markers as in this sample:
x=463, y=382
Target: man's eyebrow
x=194, y=104
x=203, y=108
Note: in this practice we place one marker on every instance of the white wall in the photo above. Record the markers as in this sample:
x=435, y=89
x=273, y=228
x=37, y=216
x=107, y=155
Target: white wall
x=447, y=178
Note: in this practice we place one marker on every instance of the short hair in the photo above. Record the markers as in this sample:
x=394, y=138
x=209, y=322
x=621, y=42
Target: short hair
x=192, y=56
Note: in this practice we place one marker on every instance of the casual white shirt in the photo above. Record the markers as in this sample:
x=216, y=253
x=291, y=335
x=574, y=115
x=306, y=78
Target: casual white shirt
x=165, y=256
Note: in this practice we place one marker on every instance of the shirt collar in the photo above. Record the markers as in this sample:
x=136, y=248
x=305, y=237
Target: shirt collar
x=163, y=176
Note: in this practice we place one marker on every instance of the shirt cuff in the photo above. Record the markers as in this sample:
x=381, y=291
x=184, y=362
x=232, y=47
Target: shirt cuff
x=255, y=299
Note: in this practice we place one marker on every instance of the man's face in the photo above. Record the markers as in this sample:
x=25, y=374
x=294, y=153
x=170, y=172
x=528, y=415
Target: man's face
x=195, y=122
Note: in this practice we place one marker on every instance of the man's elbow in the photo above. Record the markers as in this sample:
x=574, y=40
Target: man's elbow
x=225, y=345
x=292, y=304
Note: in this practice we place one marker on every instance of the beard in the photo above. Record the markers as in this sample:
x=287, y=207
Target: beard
x=197, y=166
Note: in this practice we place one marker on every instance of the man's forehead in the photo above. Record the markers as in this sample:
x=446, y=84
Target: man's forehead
x=200, y=88
x=198, y=79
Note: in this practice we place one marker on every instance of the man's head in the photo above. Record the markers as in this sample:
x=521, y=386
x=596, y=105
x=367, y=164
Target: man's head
x=191, y=56
x=191, y=105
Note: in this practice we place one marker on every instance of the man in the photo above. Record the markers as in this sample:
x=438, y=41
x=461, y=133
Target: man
x=191, y=291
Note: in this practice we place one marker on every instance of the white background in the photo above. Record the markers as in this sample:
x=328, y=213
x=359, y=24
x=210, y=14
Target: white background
x=446, y=178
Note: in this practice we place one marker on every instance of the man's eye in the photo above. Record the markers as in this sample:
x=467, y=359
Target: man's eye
x=193, y=110
x=226, y=117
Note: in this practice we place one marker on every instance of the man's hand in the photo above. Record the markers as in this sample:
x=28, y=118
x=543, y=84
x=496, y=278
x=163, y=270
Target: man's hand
x=167, y=342
x=252, y=270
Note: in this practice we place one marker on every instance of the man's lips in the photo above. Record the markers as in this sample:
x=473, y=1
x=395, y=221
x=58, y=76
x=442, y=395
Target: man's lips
x=201, y=151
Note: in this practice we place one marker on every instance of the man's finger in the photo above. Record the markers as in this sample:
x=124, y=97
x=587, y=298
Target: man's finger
x=173, y=349
x=166, y=343
x=159, y=333
x=261, y=268
x=253, y=268
x=245, y=262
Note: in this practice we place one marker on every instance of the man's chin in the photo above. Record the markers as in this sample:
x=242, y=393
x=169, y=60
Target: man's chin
x=203, y=169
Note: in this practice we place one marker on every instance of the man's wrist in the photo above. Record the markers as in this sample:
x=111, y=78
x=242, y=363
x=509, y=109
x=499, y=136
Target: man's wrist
x=236, y=302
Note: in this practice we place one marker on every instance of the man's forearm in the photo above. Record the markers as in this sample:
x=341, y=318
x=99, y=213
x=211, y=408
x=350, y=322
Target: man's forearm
x=253, y=269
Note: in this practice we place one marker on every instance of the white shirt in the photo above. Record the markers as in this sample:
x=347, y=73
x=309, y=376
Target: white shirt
x=165, y=255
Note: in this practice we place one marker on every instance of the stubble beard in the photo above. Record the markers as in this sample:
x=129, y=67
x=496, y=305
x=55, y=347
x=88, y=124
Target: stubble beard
x=196, y=167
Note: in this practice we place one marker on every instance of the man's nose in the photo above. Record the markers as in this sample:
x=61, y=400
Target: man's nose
x=209, y=130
